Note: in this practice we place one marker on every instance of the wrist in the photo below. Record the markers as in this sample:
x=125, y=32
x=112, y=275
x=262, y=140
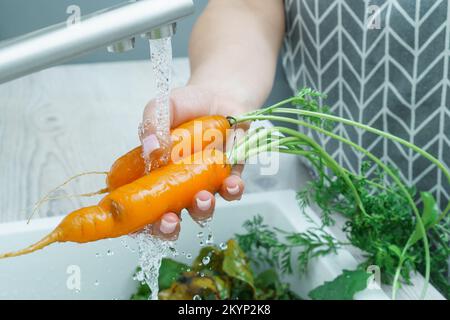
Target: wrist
x=244, y=93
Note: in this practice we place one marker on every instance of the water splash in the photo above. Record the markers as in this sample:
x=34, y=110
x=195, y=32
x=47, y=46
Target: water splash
x=206, y=238
x=151, y=252
x=206, y=260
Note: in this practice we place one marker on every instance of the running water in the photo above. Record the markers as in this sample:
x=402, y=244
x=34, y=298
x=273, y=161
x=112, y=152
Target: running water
x=161, y=57
x=151, y=249
x=151, y=252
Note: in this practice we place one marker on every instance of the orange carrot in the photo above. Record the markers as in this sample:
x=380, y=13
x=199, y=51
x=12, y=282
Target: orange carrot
x=133, y=206
x=131, y=166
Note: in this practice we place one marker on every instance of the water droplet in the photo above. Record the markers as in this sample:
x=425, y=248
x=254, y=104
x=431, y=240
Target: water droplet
x=223, y=246
x=98, y=255
x=140, y=276
x=200, y=234
x=210, y=239
x=188, y=256
x=206, y=260
x=202, y=244
x=96, y=283
x=204, y=223
x=109, y=253
x=196, y=297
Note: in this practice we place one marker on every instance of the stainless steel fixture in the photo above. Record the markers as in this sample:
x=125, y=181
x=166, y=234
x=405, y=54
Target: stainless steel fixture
x=163, y=32
x=115, y=28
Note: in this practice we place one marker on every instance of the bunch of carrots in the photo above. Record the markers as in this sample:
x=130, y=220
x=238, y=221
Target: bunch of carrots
x=134, y=200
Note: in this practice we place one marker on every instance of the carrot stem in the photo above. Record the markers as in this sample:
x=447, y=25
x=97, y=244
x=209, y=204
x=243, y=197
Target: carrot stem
x=261, y=116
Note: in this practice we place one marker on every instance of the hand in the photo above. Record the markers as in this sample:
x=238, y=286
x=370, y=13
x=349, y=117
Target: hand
x=188, y=103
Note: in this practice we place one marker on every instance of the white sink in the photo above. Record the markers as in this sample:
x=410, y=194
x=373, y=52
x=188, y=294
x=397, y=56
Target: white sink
x=44, y=274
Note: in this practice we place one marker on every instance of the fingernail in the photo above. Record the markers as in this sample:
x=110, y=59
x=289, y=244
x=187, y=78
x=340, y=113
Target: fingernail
x=204, y=205
x=233, y=190
x=150, y=144
x=167, y=227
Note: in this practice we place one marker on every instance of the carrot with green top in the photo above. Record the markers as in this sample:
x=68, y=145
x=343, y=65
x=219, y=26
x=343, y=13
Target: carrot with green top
x=136, y=201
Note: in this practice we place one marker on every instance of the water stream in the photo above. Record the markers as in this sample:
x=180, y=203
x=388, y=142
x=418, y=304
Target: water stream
x=159, y=123
x=152, y=249
x=161, y=57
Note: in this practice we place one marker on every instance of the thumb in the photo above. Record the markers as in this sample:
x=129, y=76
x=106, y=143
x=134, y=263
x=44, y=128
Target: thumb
x=185, y=104
x=154, y=132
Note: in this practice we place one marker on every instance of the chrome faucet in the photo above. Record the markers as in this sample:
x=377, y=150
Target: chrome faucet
x=115, y=28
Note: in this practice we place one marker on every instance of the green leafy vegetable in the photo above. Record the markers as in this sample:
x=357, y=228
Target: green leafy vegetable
x=269, y=286
x=266, y=246
x=429, y=217
x=235, y=264
x=170, y=271
x=143, y=293
x=383, y=217
x=224, y=274
x=344, y=287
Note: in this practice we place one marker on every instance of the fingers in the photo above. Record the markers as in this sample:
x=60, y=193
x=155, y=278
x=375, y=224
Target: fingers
x=153, y=144
x=202, y=207
x=168, y=227
x=233, y=186
x=184, y=105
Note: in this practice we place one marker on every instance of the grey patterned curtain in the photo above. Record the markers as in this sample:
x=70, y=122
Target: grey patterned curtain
x=385, y=63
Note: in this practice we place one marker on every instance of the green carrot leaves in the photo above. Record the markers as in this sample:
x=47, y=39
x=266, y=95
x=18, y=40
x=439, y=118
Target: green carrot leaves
x=344, y=287
x=429, y=217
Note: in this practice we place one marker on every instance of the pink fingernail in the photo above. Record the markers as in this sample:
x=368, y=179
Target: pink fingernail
x=167, y=227
x=204, y=205
x=150, y=144
x=233, y=190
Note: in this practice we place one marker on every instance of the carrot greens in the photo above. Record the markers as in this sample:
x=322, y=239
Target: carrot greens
x=383, y=218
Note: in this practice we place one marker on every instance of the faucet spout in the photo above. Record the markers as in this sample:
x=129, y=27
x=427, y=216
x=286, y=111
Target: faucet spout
x=114, y=28
x=162, y=32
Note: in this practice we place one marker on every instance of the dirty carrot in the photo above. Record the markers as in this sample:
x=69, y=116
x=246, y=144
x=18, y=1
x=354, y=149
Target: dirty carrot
x=133, y=206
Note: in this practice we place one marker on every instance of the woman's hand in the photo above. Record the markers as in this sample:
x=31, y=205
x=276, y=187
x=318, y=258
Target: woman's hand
x=188, y=103
x=231, y=73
